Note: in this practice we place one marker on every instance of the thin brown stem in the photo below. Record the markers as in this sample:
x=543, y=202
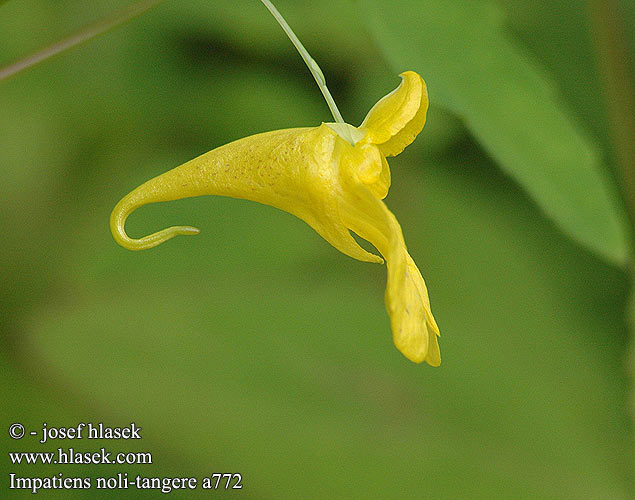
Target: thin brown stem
x=91, y=31
x=613, y=62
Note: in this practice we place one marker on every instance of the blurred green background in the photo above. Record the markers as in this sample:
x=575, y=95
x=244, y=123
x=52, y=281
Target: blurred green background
x=259, y=349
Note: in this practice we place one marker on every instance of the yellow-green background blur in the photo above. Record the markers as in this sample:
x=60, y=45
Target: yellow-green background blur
x=256, y=347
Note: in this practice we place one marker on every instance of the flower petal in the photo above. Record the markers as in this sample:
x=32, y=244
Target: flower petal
x=414, y=329
x=396, y=119
x=333, y=185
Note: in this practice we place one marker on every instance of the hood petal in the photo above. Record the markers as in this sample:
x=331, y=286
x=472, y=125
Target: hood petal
x=396, y=119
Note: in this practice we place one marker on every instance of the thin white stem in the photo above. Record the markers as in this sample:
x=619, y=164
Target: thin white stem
x=310, y=62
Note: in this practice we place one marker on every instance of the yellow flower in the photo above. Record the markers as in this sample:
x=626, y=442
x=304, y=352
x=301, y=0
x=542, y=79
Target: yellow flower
x=333, y=177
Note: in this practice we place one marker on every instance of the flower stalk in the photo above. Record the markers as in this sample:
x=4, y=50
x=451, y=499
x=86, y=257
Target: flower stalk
x=314, y=68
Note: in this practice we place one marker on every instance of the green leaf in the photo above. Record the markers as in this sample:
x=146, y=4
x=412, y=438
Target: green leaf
x=473, y=69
